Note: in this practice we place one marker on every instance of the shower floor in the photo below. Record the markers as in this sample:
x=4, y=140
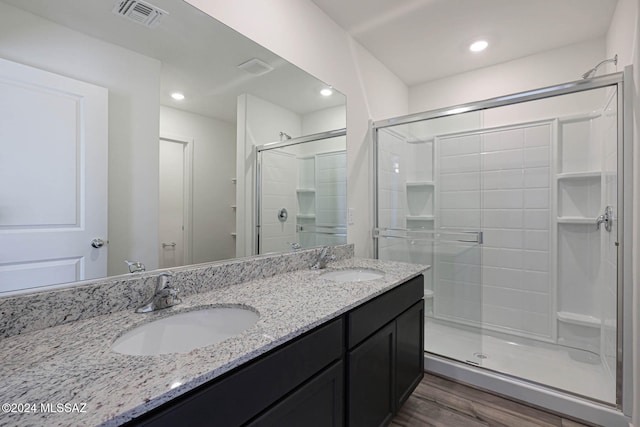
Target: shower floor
x=540, y=362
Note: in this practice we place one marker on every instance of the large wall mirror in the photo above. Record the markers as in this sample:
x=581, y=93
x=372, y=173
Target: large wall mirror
x=100, y=164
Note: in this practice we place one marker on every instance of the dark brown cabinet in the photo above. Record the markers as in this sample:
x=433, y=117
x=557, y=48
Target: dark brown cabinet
x=385, y=367
x=355, y=370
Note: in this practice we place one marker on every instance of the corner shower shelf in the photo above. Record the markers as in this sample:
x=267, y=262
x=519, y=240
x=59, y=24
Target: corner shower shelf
x=305, y=190
x=576, y=220
x=579, y=175
x=420, y=184
x=578, y=319
x=428, y=293
x=420, y=217
x=305, y=216
x=234, y=234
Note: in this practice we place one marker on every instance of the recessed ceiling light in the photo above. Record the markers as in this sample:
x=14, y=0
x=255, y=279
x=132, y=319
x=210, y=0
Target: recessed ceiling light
x=478, y=46
x=177, y=96
x=326, y=92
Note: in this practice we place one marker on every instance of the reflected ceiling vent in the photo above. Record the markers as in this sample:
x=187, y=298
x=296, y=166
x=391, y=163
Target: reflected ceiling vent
x=140, y=12
x=256, y=67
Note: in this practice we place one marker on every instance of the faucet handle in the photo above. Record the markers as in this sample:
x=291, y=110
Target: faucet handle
x=135, y=266
x=163, y=279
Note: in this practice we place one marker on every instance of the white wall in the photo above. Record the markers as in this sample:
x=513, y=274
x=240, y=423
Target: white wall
x=301, y=33
x=324, y=120
x=133, y=81
x=544, y=69
x=214, y=154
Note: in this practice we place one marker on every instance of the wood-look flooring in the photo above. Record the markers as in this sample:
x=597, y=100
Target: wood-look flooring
x=443, y=403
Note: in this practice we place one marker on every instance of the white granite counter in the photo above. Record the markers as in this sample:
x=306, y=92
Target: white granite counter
x=72, y=363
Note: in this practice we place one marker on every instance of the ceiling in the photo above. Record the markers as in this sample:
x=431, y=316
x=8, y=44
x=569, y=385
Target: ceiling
x=199, y=56
x=423, y=40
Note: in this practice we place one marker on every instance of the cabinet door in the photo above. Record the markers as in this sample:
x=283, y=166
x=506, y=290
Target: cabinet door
x=371, y=379
x=317, y=403
x=409, y=351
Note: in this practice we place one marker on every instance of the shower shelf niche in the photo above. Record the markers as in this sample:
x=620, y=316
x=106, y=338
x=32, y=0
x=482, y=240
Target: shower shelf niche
x=576, y=220
x=420, y=196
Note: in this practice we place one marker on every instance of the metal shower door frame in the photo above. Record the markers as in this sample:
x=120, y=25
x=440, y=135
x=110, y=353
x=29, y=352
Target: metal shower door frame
x=624, y=380
x=258, y=176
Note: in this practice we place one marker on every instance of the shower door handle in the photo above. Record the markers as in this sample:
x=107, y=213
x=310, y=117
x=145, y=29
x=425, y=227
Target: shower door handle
x=606, y=219
x=479, y=237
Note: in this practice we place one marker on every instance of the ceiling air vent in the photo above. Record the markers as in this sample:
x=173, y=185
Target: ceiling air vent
x=256, y=67
x=140, y=12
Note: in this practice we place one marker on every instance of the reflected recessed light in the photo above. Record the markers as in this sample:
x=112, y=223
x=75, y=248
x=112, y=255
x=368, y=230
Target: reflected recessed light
x=326, y=92
x=478, y=46
x=177, y=96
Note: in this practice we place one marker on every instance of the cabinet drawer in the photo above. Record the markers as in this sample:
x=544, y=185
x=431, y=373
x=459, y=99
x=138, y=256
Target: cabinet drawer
x=318, y=403
x=365, y=320
x=240, y=396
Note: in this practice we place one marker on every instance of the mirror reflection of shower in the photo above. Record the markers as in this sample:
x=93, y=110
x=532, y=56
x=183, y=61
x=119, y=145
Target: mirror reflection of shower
x=307, y=177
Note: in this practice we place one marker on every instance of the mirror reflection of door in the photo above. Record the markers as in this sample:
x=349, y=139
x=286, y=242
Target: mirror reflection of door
x=174, y=203
x=53, y=178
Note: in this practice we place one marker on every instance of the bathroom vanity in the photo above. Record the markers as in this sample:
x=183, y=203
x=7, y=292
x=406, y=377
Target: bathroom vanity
x=363, y=364
x=322, y=351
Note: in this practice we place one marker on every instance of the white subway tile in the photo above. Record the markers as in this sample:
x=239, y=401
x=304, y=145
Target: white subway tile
x=498, y=276
x=536, y=177
x=503, y=179
x=454, y=146
x=537, y=281
x=458, y=164
x=537, y=136
x=536, y=260
x=536, y=219
x=536, y=240
x=460, y=181
x=498, y=160
x=497, y=257
x=502, y=199
x=496, y=218
x=460, y=200
x=513, y=239
x=537, y=198
x=468, y=218
x=536, y=157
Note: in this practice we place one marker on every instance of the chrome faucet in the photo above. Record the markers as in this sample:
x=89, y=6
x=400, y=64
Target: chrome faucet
x=323, y=258
x=295, y=246
x=135, y=266
x=163, y=297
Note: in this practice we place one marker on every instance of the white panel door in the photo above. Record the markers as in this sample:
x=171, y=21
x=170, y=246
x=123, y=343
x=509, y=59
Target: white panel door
x=53, y=178
x=172, y=203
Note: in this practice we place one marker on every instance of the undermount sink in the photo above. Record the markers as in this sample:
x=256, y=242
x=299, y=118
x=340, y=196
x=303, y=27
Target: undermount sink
x=183, y=332
x=353, y=275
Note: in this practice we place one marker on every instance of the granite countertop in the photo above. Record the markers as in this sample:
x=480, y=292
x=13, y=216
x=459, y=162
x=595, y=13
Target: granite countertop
x=73, y=364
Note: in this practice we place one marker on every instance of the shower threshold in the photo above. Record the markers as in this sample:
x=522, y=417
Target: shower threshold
x=544, y=363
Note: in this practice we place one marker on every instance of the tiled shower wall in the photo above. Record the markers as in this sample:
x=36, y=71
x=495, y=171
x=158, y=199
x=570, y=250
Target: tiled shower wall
x=278, y=191
x=498, y=181
x=331, y=194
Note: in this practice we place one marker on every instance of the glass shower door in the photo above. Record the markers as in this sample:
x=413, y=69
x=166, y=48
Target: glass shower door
x=428, y=212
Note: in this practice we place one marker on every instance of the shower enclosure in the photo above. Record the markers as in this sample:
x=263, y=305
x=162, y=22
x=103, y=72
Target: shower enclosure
x=516, y=203
x=301, y=187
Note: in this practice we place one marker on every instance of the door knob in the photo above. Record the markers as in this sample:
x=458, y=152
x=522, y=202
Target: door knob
x=98, y=243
